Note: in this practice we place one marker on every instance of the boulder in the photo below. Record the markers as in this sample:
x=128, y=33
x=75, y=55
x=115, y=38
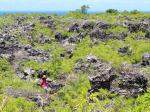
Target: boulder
x=145, y=25
x=74, y=27
x=48, y=22
x=28, y=27
x=36, y=54
x=68, y=53
x=54, y=87
x=38, y=100
x=146, y=59
x=100, y=35
x=102, y=25
x=29, y=71
x=134, y=27
x=100, y=74
x=41, y=18
x=27, y=47
x=8, y=47
x=43, y=39
x=2, y=44
x=125, y=50
x=76, y=38
x=122, y=35
x=59, y=37
x=87, y=25
x=21, y=19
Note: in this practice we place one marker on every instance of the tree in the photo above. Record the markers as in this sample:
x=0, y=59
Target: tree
x=84, y=9
x=112, y=11
x=134, y=12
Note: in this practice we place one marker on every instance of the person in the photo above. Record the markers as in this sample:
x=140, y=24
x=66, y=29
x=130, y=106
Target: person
x=44, y=83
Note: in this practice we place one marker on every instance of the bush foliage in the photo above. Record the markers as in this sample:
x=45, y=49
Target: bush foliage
x=72, y=97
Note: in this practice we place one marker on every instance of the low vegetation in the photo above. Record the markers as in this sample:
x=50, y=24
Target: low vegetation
x=73, y=96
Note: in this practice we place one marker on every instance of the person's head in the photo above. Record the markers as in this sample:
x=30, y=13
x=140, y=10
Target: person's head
x=44, y=76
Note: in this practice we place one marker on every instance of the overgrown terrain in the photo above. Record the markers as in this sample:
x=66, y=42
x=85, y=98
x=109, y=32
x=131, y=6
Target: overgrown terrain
x=80, y=54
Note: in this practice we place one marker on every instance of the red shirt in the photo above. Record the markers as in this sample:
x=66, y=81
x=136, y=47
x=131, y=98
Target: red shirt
x=43, y=83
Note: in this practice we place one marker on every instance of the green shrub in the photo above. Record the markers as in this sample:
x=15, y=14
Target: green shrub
x=135, y=12
x=114, y=11
x=18, y=105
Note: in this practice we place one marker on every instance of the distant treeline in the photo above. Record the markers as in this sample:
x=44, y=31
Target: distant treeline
x=84, y=10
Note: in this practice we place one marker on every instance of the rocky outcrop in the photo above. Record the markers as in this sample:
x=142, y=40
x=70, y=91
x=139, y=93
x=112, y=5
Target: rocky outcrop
x=37, y=55
x=15, y=52
x=134, y=27
x=87, y=25
x=48, y=22
x=59, y=37
x=100, y=35
x=43, y=39
x=143, y=25
x=39, y=98
x=76, y=38
x=121, y=36
x=20, y=19
x=67, y=54
x=127, y=82
x=74, y=28
x=130, y=84
x=102, y=25
x=100, y=74
x=146, y=59
x=125, y=50
x=28, y=72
